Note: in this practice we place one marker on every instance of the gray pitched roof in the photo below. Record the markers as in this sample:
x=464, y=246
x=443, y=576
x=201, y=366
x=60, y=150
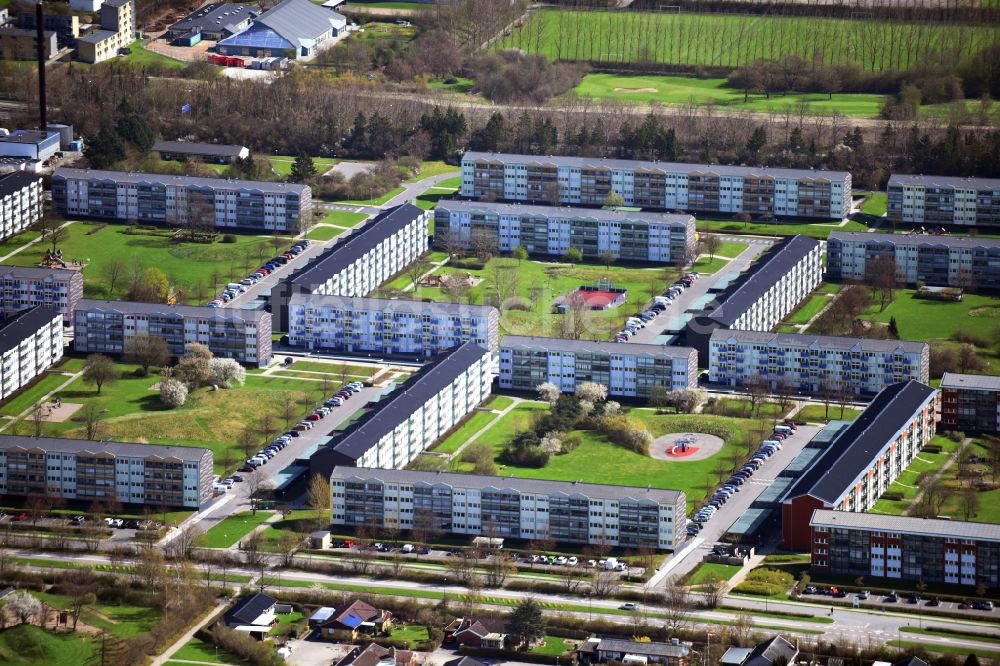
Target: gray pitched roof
x=114, y=448
x=906, y=524
x=215, y=16
x=943, y=181
x=954, y=380
x=562, y=212
x=250, y=608
x=670, y=167
x=97, y=36
x=822, y=341
x=37, y=272
x=69, y=173
x=299, y=21
x=391, y=305
x=197, y=311
x=13, y=183
x=634, y=647
x=747, y=289
x=193, y=148
x=17, y=327
x=774, y=649
x=529, y=343
x=928, y=240
x=855, y=447
x=348, y=250
x=536, y=486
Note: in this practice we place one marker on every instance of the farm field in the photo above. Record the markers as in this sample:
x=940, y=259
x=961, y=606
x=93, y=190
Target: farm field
x=722, y=40
x=680, y=90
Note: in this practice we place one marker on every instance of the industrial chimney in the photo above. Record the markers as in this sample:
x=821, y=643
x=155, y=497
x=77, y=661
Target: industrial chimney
x=40, y=51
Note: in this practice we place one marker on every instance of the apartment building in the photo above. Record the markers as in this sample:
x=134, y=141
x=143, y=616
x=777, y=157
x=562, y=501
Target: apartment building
x=699, y=188
x=414, y=416
x=508, y=507
x=545, y=230
x=79, y=469
x=939, y=261
x=384, y=327
x=30, y=342
x=149, y=198
x=814, y=364
x=863, y=459
x=939, y=200
x=970, y=403
x=902, y=547
x=359, y=263
x=106, y=327
x=628, y=370
x=22, y=43
x=24, y=287
x=20, y=202
x=764, y=294
x=117, y=31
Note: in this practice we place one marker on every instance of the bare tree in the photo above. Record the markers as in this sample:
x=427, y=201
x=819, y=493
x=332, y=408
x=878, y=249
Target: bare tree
x=416, y=270
x=881, y=276
x=713, y=589
x=38, y=418
x=147, y=350
x=712, y=245
x=112, y=271
x=181, y=545
x=755, y=388
x=91, y=417
x=604, y=583
x=677, y=605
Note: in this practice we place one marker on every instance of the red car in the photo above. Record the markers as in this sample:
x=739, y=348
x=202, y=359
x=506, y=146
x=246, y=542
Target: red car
x=313, y=417
x=20, y=516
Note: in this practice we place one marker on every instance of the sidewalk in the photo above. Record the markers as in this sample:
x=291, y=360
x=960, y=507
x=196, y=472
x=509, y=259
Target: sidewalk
x=183, y=640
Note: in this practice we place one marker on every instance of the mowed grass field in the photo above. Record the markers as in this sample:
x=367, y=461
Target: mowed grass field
x=723, y=40
x=677, y=90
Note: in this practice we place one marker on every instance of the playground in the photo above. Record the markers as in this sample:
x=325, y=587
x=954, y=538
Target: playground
x=684, y=446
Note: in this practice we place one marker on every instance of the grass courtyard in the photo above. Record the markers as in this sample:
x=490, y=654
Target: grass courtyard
x=812, y=229
x=230, y=531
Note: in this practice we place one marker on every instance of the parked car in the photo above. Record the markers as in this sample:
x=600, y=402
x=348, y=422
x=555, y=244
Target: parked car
x=628, y=606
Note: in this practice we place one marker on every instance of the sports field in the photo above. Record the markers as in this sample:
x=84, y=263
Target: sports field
x=722, y=40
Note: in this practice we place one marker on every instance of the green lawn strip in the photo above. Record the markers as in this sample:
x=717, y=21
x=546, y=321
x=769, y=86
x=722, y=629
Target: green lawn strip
x=809, y=309
x=229, y=532
x=141, y=56
x=731, y=249
x=318, y=376
x=45, y=385
x=950, y=633
x=742, y=408
x=377, y=201
x=431, y=168
x=818, y=413
x=706, y=570
x=477, y=422
x=828, y=288
x=199, y=650
x=944, y=649
x=30, y=645
x=414, y=633
x=16, y=242
x=814, y=230
x=921, y=319
x=430, y=198
x=413, y=6
x=500, y=402
x=282, y=164
x=454, y=183
x=709, y=266
x=876, y=203
x=189, y=266
x=788, y=328
x=334, y=368
x=323, y=233
x=343, y=218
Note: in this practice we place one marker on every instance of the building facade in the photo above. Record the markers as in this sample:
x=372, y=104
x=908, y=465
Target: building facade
x=106, y=327
x=20, y=202
x=215, y=21
x=508, y=507
x=293, y=28
x=939, y=261
x=814, y=364
x=414, y=416
x=970, y=403
x=79, y=469
x=544, y=230
x=216, y=153
x=628, y=370
x=345, y=324
x=863, y=459
x=764, y=294
x=117, y=31
x=30, y=342
x=19, y=43
x=26, y=286
x=699, y=188
x=359, y=263
x=939, y=200
x=182, y=200
x=906, y=548
x=30, y=144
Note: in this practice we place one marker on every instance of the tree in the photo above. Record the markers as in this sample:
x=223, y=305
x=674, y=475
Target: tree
x=608, y=257
x=103, y=150
x=226, y=372
x=80, y=599
x=193, y=367
x=91, y=416
x=146, y=351
x=527, y=621
x=100, y=371
x=134, y=129
x=548, y=392
x=677, y=604
x=319, y=498
x=756, y=141
x=112, y=271
x=181, y=545
x=614, y=200
x=519, y=253
x=151, y=287
x=970, y=503
x=173, y=393
x=893, y=327
x=480, y=454
x=247, y=440
x=573, y=255
x=151, y=568
x=267, y=426
x=24, y=606
x=969, y=360
x=659, y=397
x=38, y=417
x=303, y=169
x=713, y=589
x=881, y=276
x=712, y=245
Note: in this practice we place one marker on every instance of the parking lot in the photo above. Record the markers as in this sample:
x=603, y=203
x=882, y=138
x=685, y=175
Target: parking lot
x=903, y=601
x=263, y=287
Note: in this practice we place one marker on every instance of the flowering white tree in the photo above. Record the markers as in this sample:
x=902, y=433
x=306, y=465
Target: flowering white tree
x=173, y=393
x=591, y=391
x=612, y=408
x=552, y=442
x=24, y=606
x=548, y=392
x=226, y=372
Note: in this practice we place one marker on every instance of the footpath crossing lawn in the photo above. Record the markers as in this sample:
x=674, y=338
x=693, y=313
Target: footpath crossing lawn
x=324, y=233
x=231, y=530
x=813, y=305
x=478, y=421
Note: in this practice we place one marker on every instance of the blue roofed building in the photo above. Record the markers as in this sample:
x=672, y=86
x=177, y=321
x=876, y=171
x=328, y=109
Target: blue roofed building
x=293, y=28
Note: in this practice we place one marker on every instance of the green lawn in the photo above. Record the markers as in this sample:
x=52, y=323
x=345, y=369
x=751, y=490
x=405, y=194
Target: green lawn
x=731, y=249
x=478, y=421
x=323, y=233
x=453, y=183
x=16, y=242
x=430, y=198
x=377, y=201
x=741, y=408
x=414, y=633
x=334, y=368
x=229, y=532
x=199, y=650
x=45, y=385
x=121, y=620
x=553, y=645
x=285, y=620
x=706, y=570
x=709, y=266
x=282, y=164
x=431, y=168
x=812, y=229
x=392, y=5
x=921, y=319
x=528, y=310
x=944, y=649
x=679, y=90
x=809, y=309
x=140, y=56
x=343, y=218
x=31, y=645
x=188, y=266
x=817, y=413
x=876, y=203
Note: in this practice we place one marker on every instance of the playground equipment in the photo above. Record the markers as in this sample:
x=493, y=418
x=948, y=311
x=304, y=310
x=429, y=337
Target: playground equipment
x=52, y=259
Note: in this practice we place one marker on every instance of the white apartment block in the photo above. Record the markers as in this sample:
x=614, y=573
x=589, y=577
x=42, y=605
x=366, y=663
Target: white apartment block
x=117, y=31
x=508, y=507
x=106, y=327
x=24, y=287
x=814, y=364
x=626, y=235
x=765, y=294
x=146, y=198
x=20, y=202
x=939, y=261
x=628, y=370
x=412, y=418
x=358, y=264
x=388, y=327
x=78, y=469
x=937, y=200
x=30, y=342
x=710, y=188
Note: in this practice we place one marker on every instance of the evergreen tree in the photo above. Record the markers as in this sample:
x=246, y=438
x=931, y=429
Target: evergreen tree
x=302, y=169
x=893, y=327
x=492, y=136
x=527, y=621
x=105, y=149
x=757, y=141
x=134, y=129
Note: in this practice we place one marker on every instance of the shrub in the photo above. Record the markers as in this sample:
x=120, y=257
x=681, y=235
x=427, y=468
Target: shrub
x=229, y=238
x=766, y=582
x=970, y=338
x=626, y=432
x=570, y=442
x=173, y=393
x=892, y=495
x=226, y=372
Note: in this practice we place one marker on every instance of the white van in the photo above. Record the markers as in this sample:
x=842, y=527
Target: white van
x=407, y=548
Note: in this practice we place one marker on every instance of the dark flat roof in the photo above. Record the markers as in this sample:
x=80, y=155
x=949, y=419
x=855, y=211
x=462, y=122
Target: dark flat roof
x=929, y=240
x=955, y=380
x=529, y=343
x=857, y=445
x=215, y=16
x=200, y=311
x=15, y=328
x=356, y=245
x=564, y=212
x=16, y=181
x=165, y=180
x=38, y=272
x=114, y=448
x=944, y=181
x=906, y=525
x=192, y=148
x=386, y=415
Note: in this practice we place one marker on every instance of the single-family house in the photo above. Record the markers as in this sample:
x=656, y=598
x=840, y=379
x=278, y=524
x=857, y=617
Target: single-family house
x=602, y=650
x=775, y=650
x=355, y=619
x=257, y=610
x=376, y=655
x=486, y=632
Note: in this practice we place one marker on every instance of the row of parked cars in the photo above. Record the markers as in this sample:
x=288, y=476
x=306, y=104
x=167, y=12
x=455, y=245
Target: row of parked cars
x=767, y=449
x=234, y=289
x=660, y=303
x=893, y=597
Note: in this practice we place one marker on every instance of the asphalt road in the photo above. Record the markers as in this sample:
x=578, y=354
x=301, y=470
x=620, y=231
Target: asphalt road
x=264, y=286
